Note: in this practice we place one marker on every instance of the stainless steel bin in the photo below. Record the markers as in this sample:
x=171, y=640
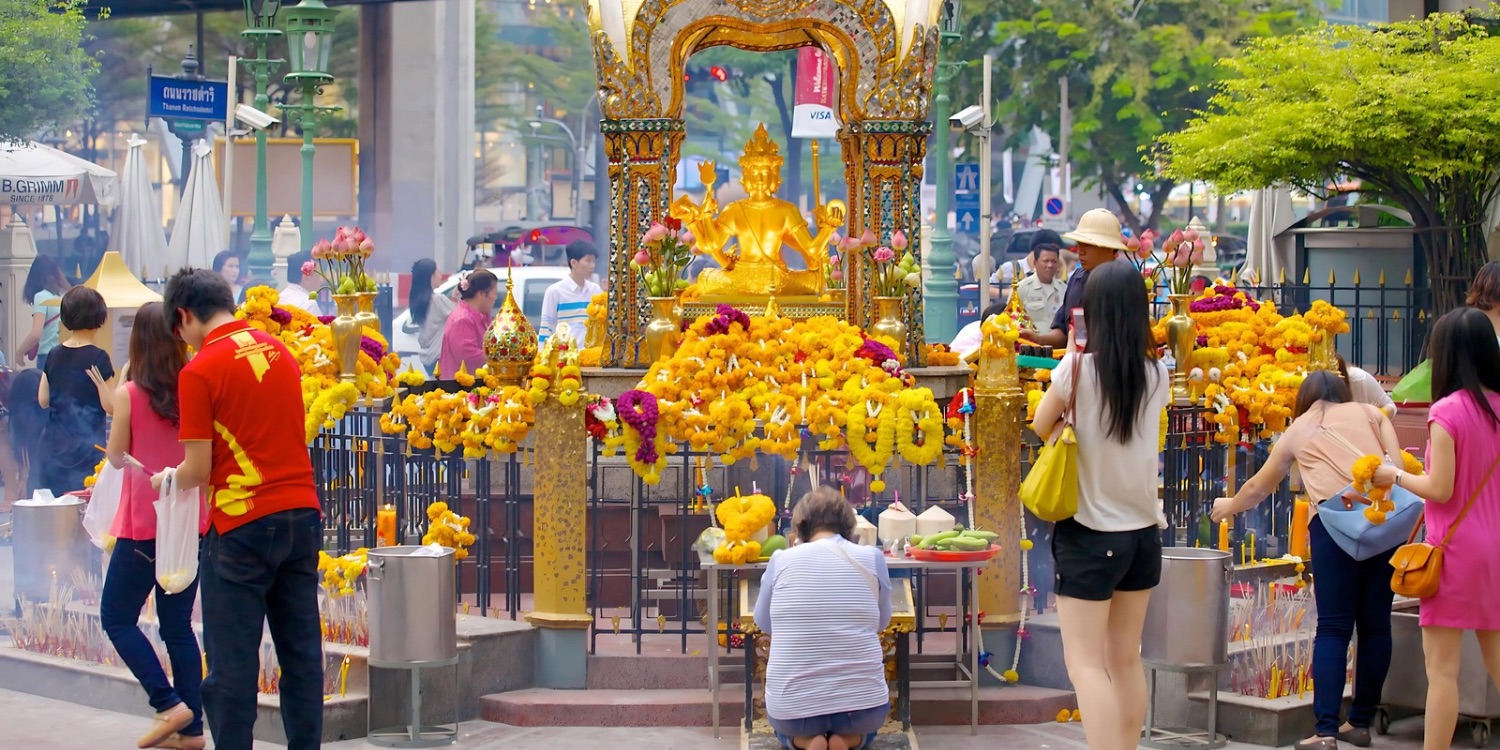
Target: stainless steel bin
x=413, y=601
x=1187, y=622
x=50, y=544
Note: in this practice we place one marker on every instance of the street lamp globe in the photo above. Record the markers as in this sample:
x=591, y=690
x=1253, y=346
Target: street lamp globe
x=309, y=41
x=260, y=15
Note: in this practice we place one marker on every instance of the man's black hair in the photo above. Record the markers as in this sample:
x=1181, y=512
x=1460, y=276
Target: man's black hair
x=83, y=309
x=294, y=266
x=578, y=250
x=199, y=291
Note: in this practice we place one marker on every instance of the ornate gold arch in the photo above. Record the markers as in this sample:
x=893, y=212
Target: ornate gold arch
x=885, y=51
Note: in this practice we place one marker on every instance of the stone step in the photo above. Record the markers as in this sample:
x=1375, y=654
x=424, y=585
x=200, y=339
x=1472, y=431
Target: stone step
x=681, y=707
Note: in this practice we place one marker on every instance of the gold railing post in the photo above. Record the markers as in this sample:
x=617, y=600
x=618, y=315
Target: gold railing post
x=999, y=414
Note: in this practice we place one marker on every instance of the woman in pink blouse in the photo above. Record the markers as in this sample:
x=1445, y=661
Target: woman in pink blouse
x=463, y=336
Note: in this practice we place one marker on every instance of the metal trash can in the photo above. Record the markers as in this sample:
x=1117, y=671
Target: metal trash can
x=1187, y=632
x=413, y=626
x=1187, y=623
x=50, y=545
x=413, y=605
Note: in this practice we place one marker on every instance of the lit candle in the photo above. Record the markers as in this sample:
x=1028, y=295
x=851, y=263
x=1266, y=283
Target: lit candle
x=1224, y=535
x=1298, y=542
x=385, y=526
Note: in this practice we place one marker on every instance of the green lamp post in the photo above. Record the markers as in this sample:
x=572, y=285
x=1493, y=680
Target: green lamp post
x=309, y=32
x=260, y=30
x=941, y=298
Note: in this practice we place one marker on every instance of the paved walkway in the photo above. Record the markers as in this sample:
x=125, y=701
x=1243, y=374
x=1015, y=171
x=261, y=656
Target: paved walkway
x=32, y=722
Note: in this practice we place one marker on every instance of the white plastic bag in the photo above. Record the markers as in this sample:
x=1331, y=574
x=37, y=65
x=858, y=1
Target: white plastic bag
x=176, y=535
x=104, y=502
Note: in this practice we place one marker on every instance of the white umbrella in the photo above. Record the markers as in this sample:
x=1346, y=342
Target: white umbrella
x=35, y=174
x=200, y=230
x=1270, y=215
x=138, y=235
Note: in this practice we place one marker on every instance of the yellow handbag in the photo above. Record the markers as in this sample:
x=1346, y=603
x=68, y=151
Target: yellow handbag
x=1050, y=490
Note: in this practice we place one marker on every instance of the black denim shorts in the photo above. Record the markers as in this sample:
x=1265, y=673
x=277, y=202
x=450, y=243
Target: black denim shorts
x=1093, y=565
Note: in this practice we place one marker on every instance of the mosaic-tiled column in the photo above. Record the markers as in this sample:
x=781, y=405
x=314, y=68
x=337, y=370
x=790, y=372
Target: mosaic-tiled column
x=883, y=167
x=642, y=169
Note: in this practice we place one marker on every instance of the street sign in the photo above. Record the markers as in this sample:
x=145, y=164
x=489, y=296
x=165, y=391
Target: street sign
x=966, y=178
x=968, y=219
x=180, y=99
x=187, y=128
x=1053, y=206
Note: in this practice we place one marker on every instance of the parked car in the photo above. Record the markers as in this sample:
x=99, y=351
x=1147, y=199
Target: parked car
x=530, y=284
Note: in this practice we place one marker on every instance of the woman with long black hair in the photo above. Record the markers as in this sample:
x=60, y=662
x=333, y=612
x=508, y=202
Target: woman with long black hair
x=1108, y=556
x=45, y=281
x=429, y=310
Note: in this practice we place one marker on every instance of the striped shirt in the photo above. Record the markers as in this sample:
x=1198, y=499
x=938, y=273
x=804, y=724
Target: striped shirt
x=825, y=645
x=566, y=302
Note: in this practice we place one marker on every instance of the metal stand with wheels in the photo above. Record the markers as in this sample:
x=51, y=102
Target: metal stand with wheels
x=415, y=733
x=1176, y=738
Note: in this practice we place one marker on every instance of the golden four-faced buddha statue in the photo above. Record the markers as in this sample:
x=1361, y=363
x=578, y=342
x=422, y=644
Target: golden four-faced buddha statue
x=760, y=225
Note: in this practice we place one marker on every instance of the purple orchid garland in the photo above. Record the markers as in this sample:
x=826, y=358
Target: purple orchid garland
x=638, y=409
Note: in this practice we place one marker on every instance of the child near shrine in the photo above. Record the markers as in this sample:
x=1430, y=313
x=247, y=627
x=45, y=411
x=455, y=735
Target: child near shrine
x=77, y=390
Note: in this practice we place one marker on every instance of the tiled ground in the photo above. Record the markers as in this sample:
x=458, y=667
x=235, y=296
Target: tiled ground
x=31, y=722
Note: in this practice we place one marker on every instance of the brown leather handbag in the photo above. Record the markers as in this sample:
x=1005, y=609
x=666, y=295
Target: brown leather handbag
x=1419, y=565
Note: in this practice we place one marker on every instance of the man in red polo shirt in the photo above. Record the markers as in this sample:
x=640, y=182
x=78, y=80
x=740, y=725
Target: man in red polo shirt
x=242, y=417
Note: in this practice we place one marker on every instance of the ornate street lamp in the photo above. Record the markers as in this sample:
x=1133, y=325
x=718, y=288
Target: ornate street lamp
x=309, y=32
x=940, y=301
x=260, y=29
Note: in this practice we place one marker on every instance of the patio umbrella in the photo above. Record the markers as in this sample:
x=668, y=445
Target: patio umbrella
x=138, y=235
x=33, y=174
x=1270, y=215
x=200, y=230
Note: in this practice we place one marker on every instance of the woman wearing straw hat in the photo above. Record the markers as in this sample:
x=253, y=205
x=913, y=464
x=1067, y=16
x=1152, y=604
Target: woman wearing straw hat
x=1098, y=241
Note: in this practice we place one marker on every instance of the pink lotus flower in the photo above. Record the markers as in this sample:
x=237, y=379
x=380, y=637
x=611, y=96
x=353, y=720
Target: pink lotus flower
x=656, y=233
x=849, y=244
x=884, y=255
x=1176, y=238
x=642, y=258
x=1191, y=235
x=686, y=237
x=1147, y=246
x=1180, y=258
x=833, y=259
x=366, y=248
x=358, y=235
x=309, y=268
x=867, y=239
x=1133, y=243
x=898, y=241
x=836, y=275
x=1197, y=254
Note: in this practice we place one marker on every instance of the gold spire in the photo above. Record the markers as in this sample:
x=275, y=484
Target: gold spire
x=760, y=147
x=1382, y=277
x=1330, y=277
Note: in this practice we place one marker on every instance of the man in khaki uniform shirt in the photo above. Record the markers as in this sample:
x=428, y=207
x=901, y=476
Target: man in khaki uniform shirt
x=1042, y=292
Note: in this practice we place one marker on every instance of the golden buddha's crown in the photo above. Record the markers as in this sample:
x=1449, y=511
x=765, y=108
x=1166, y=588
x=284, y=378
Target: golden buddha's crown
x=761, y=147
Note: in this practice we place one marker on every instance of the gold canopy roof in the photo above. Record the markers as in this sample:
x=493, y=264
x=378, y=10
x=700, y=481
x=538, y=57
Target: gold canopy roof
x=116, y=284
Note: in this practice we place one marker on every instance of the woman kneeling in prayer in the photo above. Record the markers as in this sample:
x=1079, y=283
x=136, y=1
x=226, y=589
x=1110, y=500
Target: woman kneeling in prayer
x=824, y=603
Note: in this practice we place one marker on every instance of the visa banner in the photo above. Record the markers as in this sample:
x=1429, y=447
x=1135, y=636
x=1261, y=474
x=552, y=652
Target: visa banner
x=813, y=98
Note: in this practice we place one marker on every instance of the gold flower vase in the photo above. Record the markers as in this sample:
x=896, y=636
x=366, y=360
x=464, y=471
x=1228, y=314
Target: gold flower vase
x=888, y=323
x=1182, y=338
x=365, y=313
x=347, y=331
x=1323, y=354
x=664, y=332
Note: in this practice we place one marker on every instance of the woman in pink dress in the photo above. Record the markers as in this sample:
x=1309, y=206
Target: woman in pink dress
x=463, y=335
x=1463, y=451
x=145, y=429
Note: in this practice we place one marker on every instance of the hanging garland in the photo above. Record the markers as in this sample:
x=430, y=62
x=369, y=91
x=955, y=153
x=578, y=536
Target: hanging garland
x=872, y=420
x=638, y=410
x=918, y=425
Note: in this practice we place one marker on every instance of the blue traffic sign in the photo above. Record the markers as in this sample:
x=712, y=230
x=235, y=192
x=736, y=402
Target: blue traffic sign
x=968, y=219
x=962, y=201
x=1053, y=206
x=179, y=99
x=966, y=177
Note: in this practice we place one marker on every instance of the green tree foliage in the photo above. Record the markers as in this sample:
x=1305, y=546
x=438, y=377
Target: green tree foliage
x=549, y=62
x=1411, y=110
x=1135, y=70
x=45, y=75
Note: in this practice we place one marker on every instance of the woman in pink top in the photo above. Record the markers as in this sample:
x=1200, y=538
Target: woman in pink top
x=463, y=336
x=1331, y=432
x=1462, y=452
x=145, y=429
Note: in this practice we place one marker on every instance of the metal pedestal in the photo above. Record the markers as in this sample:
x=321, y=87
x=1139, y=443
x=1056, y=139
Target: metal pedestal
x=414, y=733
x=1176, y=738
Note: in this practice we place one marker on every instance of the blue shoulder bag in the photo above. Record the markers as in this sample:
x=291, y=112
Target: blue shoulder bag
x=1344, y=517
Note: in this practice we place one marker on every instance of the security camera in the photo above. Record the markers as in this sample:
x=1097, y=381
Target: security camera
x=967, y=117
x=254, y=118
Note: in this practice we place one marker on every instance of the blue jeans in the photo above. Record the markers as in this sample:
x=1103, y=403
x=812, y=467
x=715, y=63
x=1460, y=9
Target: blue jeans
x=866, y=723
x=263, y=572
x=1349, y=593
x=131, y=577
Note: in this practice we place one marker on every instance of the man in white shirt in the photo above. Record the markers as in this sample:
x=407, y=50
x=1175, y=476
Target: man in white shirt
x=295, y=295
x=1042, y=292
x=567, y=301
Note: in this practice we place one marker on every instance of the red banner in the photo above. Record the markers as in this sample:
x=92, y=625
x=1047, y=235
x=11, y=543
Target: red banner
x=813, y=98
